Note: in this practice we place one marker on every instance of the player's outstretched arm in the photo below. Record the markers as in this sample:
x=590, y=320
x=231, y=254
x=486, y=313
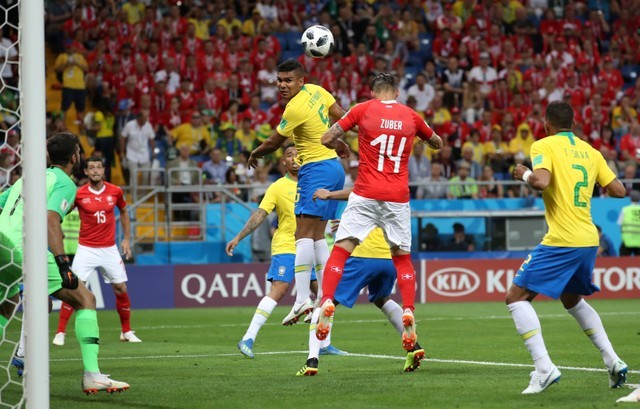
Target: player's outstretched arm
x=324, y=194
x=331, y=139
x=538, y=179
x=272, y=144
x=125, y=246
x=616, y=189
x=254, y=221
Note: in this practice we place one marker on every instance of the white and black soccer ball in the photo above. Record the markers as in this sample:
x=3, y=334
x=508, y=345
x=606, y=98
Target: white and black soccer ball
x=317, y=41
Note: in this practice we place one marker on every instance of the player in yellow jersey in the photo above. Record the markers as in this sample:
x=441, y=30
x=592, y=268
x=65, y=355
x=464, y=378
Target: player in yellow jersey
x=280, y=197
x=306, y=117
x=369, y=266
x=566, y=170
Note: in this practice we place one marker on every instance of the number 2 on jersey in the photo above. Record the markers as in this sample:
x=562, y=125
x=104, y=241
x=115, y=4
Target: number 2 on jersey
x=583, y=183
x=386, y=143
x=100, y=217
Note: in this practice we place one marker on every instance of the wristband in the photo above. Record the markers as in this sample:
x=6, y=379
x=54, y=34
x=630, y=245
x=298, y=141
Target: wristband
x=526, y=175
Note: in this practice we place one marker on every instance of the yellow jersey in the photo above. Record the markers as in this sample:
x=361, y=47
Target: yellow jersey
x=575, y=168
x=72, y=76
x=134, y=12
x=186, y=134
x=374, y=246
x=106, y=124
x=281, y=196
x=305, y=119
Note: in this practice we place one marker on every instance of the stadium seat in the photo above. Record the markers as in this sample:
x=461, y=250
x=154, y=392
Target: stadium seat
x=416, y=59
x=426, y=42
x=293, y=41
x=282, y=39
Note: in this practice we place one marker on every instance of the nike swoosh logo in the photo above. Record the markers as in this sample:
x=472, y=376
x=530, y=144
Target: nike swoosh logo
x=298, y=310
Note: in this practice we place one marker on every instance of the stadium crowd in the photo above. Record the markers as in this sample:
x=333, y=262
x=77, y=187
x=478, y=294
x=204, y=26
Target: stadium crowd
x=193, y=83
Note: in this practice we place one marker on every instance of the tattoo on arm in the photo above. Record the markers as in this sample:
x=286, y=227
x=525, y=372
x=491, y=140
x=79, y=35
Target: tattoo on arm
x=330, y=138
x=254, y=221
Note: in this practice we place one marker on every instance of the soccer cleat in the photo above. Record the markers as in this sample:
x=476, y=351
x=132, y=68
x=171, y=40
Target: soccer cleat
x=18, y=363
x=129, y=336
x=91, y=386
x=246, y=348
x=539, y=382
x=331, y=350
x=324, y=321
x=618, y=375
x=633, y=397
x=297, y=311
x=58, y=340
x=409, y=336
x=413, y=359
x=310, y=368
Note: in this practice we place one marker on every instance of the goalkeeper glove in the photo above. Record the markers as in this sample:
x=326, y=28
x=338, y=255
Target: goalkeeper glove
x=69, y=279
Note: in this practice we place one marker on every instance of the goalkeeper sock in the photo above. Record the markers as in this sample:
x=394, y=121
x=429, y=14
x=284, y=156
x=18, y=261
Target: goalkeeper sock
x=260, y=317
x=123, y=306
x=393, y=312
x=528, y=326
x=305, y=256
x=591, y=324
x=65, y=314
x=406, y=280
x=88, y=335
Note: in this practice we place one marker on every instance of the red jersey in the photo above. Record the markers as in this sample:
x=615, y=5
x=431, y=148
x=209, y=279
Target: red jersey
x=385, y=138
x=97, y=216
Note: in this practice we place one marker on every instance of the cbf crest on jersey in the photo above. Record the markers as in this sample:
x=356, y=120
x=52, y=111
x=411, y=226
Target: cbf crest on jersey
x=281, y=271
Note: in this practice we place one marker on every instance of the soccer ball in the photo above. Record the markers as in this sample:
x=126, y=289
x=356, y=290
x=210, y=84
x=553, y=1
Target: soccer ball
x=317, y=41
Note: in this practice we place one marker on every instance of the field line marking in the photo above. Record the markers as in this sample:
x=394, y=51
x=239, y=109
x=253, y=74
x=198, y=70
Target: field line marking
x=375, y=356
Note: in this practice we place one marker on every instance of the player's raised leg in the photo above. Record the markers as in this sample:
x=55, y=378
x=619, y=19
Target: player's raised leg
x=591, y=324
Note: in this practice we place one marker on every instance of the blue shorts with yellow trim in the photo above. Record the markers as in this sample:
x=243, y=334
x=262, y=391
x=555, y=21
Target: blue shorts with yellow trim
x=283, y=268
x=554, y=271
x=325, y=174
x=379, y=274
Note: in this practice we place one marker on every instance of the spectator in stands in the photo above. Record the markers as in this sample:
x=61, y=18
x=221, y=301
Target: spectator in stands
x=57, y=13
x=492, y=189
x=484, y=74
x=630, y=172
x=475, y=168
x=137, y=144
x=435, y=185
x=245, y=135
x=429, y=240
x=419, y=166
x=215, y=168
x=183, y=171
x=72, y=67
x=422, y=92
x=474, y=143
x=606, y=247
x=447, y=162
x=523, y=140
x=8, y=60
x=193, y=133
x=103, y=124
x=629, y=222
x=227, y=143
x=630, y=144
x=460, y=240
x=11, y=148
x=267, y=79
x=453, y=83
x=462, y=186
x=622, y=117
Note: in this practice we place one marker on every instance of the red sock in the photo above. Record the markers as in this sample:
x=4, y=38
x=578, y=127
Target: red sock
x=333, y=272
x=406, y=280
x=123, y=305
x=65, y=313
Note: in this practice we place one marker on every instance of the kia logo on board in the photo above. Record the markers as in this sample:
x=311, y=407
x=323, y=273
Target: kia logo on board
x=453, y=282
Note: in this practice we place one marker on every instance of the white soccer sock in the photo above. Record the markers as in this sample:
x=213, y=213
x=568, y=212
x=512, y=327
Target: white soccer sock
x=314, y=342
x=393, y=312
x=264, y=310
x=20, y=351
x=528, y=326
x=591, y=324
x=321, y=250
x=305, y=257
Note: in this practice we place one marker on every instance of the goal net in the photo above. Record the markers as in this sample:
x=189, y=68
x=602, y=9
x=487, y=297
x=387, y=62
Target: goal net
x=11, y=384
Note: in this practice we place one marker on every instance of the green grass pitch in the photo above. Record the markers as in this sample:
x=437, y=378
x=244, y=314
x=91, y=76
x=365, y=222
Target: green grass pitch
x=475, y=359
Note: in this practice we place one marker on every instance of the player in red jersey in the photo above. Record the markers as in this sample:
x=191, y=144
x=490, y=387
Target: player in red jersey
x=380, y=195
x=96, y=202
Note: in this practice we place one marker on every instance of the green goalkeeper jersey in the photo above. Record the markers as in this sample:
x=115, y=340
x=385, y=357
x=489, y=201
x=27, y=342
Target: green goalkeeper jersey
x=61, y=193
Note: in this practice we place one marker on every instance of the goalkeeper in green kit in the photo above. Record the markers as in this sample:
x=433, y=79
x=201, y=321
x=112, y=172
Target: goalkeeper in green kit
x=64, y=155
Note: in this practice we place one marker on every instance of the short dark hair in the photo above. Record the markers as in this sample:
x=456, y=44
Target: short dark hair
x=92, y=159
x=291, y=65
x=458, y=228
x=61, y=146
x=384, y=81
x=560, y=115
x=287, y=146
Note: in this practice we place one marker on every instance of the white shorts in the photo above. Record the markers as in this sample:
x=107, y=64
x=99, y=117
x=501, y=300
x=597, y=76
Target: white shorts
x=107, y=260
x=363, y=215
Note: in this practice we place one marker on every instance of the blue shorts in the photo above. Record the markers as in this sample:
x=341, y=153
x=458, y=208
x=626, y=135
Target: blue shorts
x=325, y=174
x=377, y=273
x=282, y=268
x=554, y=271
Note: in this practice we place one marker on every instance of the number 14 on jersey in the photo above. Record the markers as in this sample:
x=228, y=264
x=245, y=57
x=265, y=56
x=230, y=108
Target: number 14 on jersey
x=386, y=143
